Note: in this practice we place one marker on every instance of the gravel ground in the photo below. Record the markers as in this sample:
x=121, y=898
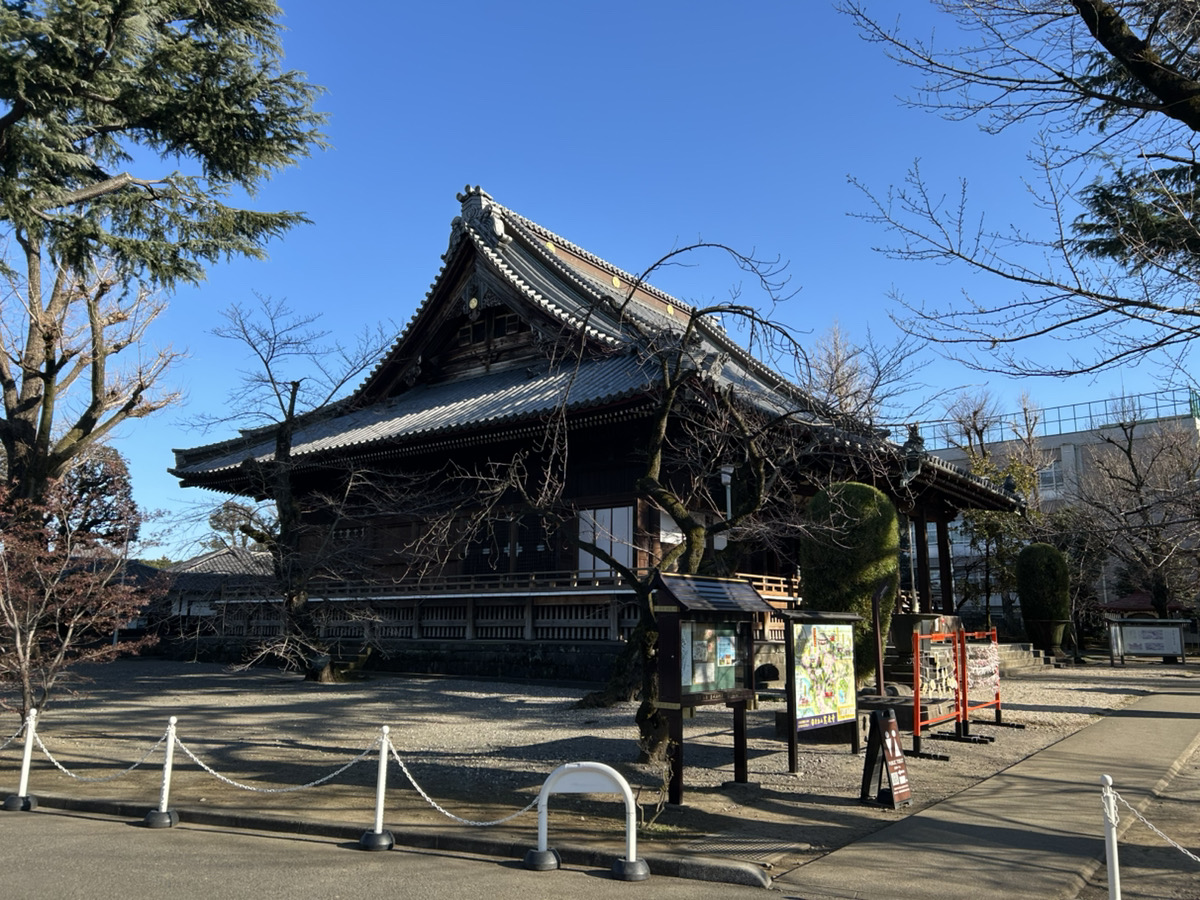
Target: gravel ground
x=482, y=750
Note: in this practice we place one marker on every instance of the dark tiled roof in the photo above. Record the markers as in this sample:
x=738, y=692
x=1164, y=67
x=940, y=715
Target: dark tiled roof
x=580, y=294
x=712, y=594
x=229, y=565
x=427, y=410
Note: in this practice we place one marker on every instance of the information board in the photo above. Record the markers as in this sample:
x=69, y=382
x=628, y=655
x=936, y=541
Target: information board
x=1151, y=640
x=708, y=657
x=824, y=654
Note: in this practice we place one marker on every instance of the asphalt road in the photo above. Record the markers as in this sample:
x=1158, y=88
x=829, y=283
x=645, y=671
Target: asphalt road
x=60, y=855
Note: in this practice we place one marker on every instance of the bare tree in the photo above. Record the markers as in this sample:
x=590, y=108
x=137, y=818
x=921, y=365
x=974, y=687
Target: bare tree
x=233, y=523
x=872, y=382
x=74, y=364
x=1112, y=88
x=1141, y=490
x=1003, y=450
x=776, y=441
x=65, y=589
x=296, y=372
x=193, y=99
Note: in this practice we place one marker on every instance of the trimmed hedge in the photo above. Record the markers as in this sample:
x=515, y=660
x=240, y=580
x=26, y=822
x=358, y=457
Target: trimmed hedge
x=853, y=548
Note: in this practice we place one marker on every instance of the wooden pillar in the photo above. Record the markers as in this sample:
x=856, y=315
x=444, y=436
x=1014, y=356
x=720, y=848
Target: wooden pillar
x=945, y=566
x=740, y=767
x=924, y=584
x=675, y=754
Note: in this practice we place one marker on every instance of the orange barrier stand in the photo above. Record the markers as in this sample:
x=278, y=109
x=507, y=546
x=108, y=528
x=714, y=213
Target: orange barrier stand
x=978, y=672
x=938, y=643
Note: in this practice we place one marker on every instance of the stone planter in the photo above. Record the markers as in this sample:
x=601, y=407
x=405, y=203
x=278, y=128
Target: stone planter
x=1047, y=634
x=903, y=625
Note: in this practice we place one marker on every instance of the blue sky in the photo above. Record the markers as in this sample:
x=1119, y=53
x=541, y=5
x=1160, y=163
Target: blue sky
x=626, y=127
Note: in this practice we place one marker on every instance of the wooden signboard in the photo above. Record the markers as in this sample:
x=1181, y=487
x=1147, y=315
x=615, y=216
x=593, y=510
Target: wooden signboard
x=824, y=674
x=885, y=755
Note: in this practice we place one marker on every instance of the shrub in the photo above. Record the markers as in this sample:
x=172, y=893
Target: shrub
x=1043, y=583
x=853, y=548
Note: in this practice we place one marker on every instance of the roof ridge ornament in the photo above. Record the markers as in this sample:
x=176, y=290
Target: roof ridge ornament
x=481, y=212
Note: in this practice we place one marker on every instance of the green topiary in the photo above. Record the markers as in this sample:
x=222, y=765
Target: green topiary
x=854, y=547
x=1043, y=583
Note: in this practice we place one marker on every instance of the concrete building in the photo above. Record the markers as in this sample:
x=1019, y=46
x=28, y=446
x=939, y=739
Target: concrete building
x=1067, y=439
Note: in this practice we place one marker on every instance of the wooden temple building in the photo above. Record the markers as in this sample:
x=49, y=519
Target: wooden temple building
x=535, y=362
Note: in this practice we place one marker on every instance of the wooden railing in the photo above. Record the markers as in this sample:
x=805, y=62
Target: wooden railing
x=770, y=586
x=474, y=585
x=556, y=606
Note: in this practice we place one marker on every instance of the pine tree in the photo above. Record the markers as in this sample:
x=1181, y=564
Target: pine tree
x=128, y=128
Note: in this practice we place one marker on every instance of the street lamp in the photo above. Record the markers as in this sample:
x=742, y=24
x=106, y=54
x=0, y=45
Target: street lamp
x=914, y=452
x=721, y=541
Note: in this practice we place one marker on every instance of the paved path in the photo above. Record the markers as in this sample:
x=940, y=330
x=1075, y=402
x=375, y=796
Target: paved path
x=81, y=855
x=1035, y=830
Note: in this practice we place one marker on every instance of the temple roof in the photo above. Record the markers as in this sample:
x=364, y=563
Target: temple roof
x=593, y=330
x=426, y=411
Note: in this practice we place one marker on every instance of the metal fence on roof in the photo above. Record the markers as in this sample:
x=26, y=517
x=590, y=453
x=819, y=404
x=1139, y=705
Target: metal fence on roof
x=1091, y=415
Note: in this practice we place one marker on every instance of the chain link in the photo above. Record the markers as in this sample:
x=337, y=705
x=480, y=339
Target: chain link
x=442, y=810
x=99, y=779
x=1145, y=822
x=283, y=790
x=16, y=735
x=1111, y=808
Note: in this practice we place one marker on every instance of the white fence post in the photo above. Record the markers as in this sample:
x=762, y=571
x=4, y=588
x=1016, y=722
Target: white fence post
x=379, y=839
x=22, y=800
x=163, y=817
x=1109, y=799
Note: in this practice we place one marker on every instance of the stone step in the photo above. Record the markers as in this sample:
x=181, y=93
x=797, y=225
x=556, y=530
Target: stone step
x=1015, y=658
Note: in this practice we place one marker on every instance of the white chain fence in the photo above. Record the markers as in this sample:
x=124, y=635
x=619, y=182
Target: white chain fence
x=283, y=790
x=16, y=734
x=368, y=751
x=1117, y=821
x=99, y=779
x=442, y=810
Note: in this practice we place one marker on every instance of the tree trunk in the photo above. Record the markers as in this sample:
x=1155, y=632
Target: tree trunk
x=320, y=670
x=1160, y=596
x=652, y=725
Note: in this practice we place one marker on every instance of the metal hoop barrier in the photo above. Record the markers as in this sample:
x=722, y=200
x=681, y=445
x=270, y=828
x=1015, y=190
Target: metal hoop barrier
x=588, y=778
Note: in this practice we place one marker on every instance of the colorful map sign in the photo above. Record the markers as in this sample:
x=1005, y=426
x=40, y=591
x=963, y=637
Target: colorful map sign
x=824, y=674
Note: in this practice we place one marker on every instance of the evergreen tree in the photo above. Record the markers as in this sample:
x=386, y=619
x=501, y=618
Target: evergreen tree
x=853, y=549
x=127, y=130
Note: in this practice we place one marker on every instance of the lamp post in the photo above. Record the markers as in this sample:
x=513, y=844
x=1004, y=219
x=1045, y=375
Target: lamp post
x=721, y=541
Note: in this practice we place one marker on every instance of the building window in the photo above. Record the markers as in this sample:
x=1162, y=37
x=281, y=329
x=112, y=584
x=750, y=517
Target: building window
x=518, y=544
x=492, y=325
x=609, y=529
x=1050, y=479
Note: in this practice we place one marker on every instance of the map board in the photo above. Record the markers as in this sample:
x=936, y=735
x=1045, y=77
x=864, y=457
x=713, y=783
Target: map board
x=824, y=674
